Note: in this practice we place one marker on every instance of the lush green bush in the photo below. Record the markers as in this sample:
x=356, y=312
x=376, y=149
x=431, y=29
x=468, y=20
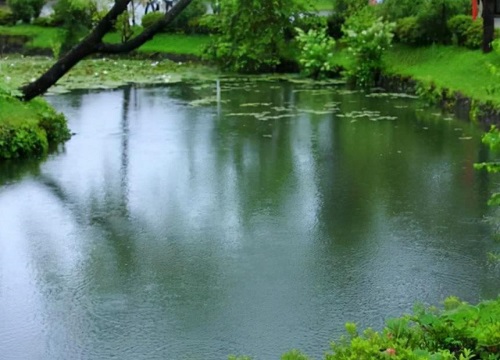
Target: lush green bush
x=316, y=52
x=458, y=25
x=434, y=16
x=367, y=37
x=6, y=17
x=25, y=10
x=27, y=129
x=47, y=21
x=429, y=19
x=76, y=16
x=252, y=37
x=474, y=35
x=206, y=24
x=186, y=21
x=394, y=10
x=408, y=31
x=460, y=331
x=342, y=9
x=150, y=18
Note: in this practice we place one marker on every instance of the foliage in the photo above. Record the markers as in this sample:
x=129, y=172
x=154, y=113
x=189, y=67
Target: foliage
x=25, y=10
x=494, y=71
x=316, y=52
x=123, y=27
x=342, y=9
x=186, y=21
x=367, y=37
x=206, y=24
x=394, y=10
x=433, y=16
x=252, y=35
x=429, y=19
x=408, y=31
x=474, y=35
x=6, y=17
x=458, y=25
x=492, y=140
x=150, y=18
x=294, y=355
x=27, y=129
x=460, y=331
x=76, y=16
x=46, y=21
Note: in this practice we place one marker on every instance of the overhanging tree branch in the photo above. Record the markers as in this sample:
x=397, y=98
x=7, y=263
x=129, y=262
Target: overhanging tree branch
x=146, y=35
x=92, y=44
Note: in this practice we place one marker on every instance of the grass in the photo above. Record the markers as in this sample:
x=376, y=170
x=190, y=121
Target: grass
x=179, y=44
x=45, y=37
x=41, y=37
x=451, y=67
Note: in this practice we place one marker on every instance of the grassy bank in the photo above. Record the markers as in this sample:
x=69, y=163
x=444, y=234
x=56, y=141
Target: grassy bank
x=457, y=69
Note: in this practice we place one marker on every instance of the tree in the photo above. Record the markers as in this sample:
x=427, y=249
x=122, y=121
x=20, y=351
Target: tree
x=93, y=43
x=253, y=34
x=488, y=25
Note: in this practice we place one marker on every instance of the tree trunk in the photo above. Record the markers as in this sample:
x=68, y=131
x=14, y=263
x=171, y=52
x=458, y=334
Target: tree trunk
x=488, y=25
x=92, y=44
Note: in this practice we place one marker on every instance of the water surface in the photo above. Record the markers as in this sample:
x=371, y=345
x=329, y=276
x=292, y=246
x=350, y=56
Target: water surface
x=236, y=217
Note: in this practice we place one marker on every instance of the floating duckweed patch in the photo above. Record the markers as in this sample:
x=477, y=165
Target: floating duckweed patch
x=371, y=115
x=391, y=95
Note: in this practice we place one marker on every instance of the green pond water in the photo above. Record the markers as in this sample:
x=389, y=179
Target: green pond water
x=237, y=217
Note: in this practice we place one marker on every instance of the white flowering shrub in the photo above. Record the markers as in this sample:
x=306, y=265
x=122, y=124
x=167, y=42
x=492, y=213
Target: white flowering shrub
x=366, y=37
x=316, y=52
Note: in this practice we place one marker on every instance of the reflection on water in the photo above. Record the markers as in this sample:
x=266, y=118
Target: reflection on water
x=196, y=221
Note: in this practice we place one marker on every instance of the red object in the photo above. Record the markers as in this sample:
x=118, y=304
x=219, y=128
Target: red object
x=474, y=9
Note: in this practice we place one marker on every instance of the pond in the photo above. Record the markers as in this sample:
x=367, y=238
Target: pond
x=237, y=217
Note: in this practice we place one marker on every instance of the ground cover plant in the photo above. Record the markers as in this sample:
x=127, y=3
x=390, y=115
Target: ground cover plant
x=460, y=331
x=28, y=129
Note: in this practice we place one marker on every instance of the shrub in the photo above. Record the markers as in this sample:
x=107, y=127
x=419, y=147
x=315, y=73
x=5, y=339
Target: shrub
x=181, y=23
x=461, y=331
x=21, y=10
x=408, y=31
x=433, y=17
x=27, y=129
x=76, y=17
x=367, y=37
x=474, y=35
x=394, y=10
x=25, y=10
x=458, y=26
x=150, y=18
x=46, y=21
x=206, y=24
x=316, y=52
x=342, y=9
x=252, y=34
x=6, y=17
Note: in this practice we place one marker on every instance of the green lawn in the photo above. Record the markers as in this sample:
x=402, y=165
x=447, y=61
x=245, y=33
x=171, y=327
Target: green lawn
x=169, y=43
x=46, y=38
x=41, y=37
x=450, y=67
